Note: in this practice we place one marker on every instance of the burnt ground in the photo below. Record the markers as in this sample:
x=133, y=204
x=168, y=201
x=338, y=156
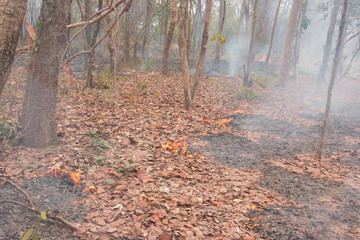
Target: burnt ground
x=50, y=194
x=321, y=208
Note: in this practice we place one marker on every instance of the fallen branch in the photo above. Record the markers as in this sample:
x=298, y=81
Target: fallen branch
x=32, y=207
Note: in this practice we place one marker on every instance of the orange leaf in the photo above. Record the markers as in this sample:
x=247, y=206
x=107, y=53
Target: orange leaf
x=218, y=203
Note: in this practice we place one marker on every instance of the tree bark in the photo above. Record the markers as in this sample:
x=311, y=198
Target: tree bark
x=200, y=63
x=246, y=80
x=39, y=108
x=88, y=13
x=126, y=37
x=286, y=58
x=145, y=47
x=89, y=82
x=327, y=48
x=298, y=38
x=185, y=64
x=273, y=32
x=332, y=80
x=11, y=18
x=222, y=12
x=169, y=37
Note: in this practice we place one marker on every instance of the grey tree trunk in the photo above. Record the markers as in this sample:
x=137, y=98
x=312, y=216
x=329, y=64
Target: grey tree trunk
x=246, y=81
x=332, y=80
x=145, y=47
x=273, y=32
x=286, y=58
x=222, y=13
x=327, y=48
x=38, y=115
x=168, y=40
x=202, y=54
x=11, y=18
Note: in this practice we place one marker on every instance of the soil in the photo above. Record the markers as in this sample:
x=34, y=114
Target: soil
x=321, y=208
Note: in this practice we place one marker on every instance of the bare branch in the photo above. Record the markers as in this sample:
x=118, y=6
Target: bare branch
x=104, y=12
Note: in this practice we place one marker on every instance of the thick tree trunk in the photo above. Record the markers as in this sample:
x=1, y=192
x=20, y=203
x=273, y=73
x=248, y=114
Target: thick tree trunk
x=39, y=108
x=145, y=47
x=273, y=32
x=286, y=59
x=222, y=12
x=327, y=48
x=169, y=37
x=246, y=80
x=185, y=64
x=332, y=80
x=202, y=54
x=11, y=18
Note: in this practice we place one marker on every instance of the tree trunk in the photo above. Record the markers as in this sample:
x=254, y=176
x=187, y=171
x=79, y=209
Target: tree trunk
x=286, y=59
x=185, y=64
x=111, y=42
x=88, y=13
x=168, y=10
x=39, y=108
x=222, y=12
x=261, y=28
x=196, y=22
x=89, y=81
x=126, y=37
x=327, y=48
x=200, y=63
x=11, y=18
x=168, y=40
x=332, y=80
x=145, y=47
x=246, y=80
x=297, y=45
x=273, y=32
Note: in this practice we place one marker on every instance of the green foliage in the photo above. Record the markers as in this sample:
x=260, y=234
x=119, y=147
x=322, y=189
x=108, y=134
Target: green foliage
x=31, y=234
x=263, y=82
x=9, y=131
x=97, y=141
x=110, y=181
x=100, y=160
x=104, y=80
x=37, y=36
x=129, y=167
x=147, y=64
x=221, y=38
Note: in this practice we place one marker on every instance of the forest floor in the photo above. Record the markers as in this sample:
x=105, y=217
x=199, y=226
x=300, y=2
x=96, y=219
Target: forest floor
x=254, y=177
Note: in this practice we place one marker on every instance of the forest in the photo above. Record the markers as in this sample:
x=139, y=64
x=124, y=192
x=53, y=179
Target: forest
x=180, y=119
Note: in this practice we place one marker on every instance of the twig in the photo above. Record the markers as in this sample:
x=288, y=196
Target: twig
x=22, y=191
x=33, y=208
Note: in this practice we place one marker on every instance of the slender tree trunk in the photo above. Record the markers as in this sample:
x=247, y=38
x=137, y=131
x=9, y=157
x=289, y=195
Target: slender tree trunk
x=246, y=80
x=188, y=30
x=11, y=18
x=286, y=59
x=88, y=13
x=145, y=48
x=126, y=37
x=222, y=12
x=168, y=40
x=137, y=13
x=196, y=22
x=298, y=38
x=332, y=80
x=273, y=32
x=202, y=54
x=327, y=48
x=111, y=41
x=185, y=64
x=168, y=11
x=89, y=82
x=261, y=28
x=39, y=108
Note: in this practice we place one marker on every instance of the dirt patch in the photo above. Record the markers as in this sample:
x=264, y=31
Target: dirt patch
x=317, y=207
x=49, y=194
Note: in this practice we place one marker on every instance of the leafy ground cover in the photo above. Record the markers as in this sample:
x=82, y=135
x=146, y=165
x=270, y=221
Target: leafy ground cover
x=254, y=152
